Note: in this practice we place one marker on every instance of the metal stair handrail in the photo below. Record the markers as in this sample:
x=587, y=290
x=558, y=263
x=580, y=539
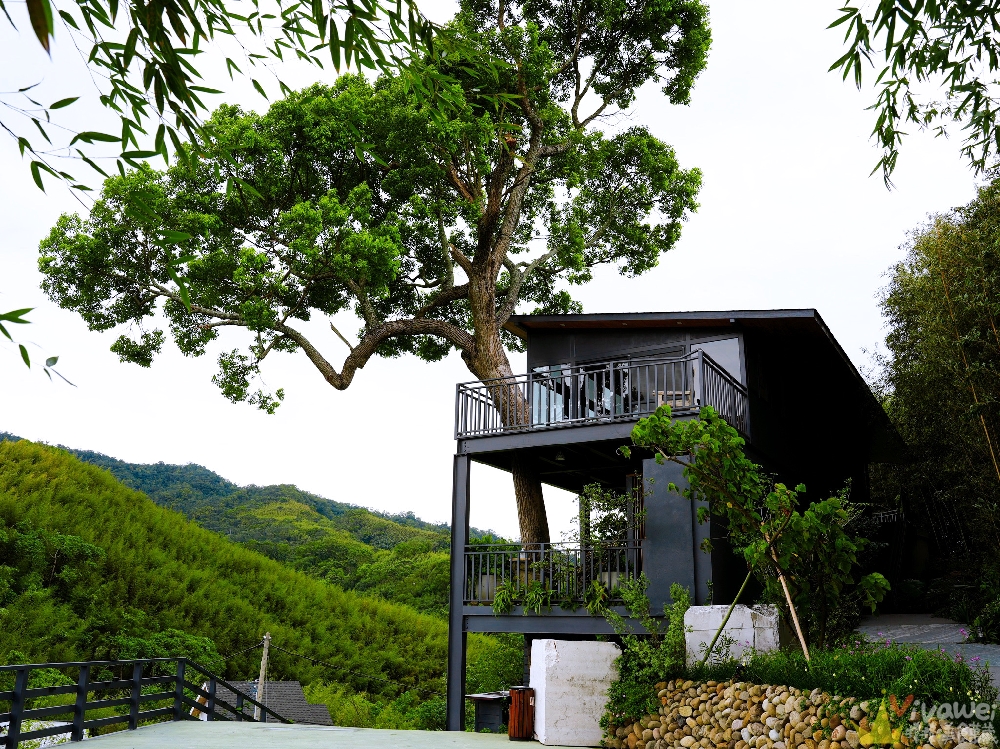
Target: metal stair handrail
x=213, y=707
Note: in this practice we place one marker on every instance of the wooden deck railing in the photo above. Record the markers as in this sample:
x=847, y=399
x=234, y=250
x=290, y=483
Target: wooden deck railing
x=154, y=689
x=618, y=390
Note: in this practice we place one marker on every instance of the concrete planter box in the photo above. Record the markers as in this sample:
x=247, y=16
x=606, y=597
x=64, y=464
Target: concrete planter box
x=753, y=627
x=571, y=682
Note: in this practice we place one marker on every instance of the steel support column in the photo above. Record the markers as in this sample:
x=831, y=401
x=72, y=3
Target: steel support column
x=456, y=629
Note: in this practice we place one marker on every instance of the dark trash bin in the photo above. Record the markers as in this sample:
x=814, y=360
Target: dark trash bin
x=491, y=710
x=522, y=714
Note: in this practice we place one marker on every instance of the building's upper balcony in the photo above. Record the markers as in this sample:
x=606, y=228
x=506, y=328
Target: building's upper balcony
x=619, y=390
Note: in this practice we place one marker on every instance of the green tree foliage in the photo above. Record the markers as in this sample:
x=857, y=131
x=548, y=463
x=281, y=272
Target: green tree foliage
x=195, y=490
x=606, y=517
x=823, y=552
x=937, y=62
x=497, y=667
x=412, y=573
x=162, y=644
x=408, y=711
x=433, y=230
x=385, y=242
x=92, y=568
x=17, y=317
x=940, y=387
x=35, y=558
x=813, y=551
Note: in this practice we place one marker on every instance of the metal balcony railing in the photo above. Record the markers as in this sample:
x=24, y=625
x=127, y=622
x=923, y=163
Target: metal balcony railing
x=619, y=390
x=564, y=571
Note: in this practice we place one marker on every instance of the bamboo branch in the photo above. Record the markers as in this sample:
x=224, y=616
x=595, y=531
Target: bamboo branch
x=965, y=361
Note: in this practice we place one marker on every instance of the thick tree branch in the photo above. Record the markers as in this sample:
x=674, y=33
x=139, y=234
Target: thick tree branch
x=367, y=310
x=160, y=290
x=456, y=181
x=443, y=297
x=449, y=278
x=462, y=259
x=553, y=149
x=368, y=345
x=341, y=337
x=517, y=279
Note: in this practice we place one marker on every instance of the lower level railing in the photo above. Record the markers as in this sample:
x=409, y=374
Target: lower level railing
x=564, y=573
x=110, y=693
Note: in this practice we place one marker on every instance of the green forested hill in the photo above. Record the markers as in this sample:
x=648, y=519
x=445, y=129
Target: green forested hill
x=398, y=558
x=89, y=566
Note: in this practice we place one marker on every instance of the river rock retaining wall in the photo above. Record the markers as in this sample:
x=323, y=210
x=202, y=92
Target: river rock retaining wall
x=714, y=715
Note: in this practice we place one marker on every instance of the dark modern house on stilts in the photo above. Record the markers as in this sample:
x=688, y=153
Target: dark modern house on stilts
x=589, y=379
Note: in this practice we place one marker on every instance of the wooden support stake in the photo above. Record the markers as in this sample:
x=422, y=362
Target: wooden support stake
x=133, y=703
x=17, y=708
x=79, y=711
x=726, y=619
x=179, y=691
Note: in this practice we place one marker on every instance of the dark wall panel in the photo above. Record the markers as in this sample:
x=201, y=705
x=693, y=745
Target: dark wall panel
x=668, y=549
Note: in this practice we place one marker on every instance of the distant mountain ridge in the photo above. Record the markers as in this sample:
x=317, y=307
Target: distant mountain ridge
x=161, y=482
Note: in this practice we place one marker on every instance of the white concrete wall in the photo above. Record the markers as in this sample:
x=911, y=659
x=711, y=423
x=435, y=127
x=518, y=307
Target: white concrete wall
x=753, y=627
x=571, y=681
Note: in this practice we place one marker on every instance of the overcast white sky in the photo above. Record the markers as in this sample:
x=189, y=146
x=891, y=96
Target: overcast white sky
x=789, y=218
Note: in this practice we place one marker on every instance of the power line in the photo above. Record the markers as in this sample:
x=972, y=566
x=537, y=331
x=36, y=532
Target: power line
x=241, y=652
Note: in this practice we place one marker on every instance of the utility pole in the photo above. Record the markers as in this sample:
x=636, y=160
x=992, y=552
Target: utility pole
x=263, y=675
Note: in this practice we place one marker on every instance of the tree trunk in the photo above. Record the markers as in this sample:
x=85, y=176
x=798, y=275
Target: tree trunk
x=490, y=362
x=530, y=503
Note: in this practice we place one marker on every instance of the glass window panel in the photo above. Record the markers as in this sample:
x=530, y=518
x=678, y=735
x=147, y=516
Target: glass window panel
x=726, y=354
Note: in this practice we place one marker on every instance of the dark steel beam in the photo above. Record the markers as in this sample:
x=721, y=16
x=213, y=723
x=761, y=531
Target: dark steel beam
x=540, y=626
x=456, y=631
x=568, y=435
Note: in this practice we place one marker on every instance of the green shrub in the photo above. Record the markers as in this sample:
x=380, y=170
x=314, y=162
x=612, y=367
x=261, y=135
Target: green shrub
x=986, y=626
x=431, y=715
x=647, y=658
x=411, y=710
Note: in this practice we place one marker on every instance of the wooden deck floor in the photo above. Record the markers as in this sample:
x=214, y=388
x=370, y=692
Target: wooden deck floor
x=201, y=735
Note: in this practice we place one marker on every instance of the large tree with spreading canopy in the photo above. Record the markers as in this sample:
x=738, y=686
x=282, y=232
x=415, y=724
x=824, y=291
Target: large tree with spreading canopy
x=433, y=231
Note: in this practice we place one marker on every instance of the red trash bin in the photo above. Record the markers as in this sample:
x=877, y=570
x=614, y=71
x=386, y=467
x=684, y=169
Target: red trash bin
x=522, y=714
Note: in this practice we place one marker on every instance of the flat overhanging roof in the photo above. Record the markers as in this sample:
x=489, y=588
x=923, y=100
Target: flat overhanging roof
x=772, y=318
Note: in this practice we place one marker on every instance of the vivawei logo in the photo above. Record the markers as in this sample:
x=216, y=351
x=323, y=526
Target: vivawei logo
x=931, y=724
x=897, y=708
x=981, y=711
x=881, y=731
